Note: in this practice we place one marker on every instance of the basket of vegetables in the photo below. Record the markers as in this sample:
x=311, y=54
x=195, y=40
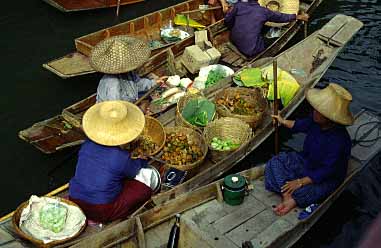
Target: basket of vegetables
x=225, y=135
x=246, y=104
x=194, y=111
x=151, y=141
x=184, y=149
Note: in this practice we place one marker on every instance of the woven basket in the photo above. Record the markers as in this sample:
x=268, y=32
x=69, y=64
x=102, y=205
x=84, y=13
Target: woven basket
x=16, y=220
x=226, y=128
x=155, y=130
x=251, y=96
x=196, y=138
x=179, y=119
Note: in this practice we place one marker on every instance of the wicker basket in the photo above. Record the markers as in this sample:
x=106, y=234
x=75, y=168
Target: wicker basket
x=155, y=130
x=226, y=128
x=197, y=139
x=252, y=96
x=179, y=119
x=16, y=220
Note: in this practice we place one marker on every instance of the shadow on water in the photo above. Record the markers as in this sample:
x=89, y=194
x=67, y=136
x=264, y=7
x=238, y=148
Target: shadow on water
x=34, y=33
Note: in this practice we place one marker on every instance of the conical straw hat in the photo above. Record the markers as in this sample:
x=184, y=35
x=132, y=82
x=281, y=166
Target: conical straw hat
x=332, y=102
x=113, y=123
x=282, y=6
x=119, y=54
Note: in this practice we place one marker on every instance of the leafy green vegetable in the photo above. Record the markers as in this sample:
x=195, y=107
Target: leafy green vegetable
x=53, y=217
x=199, y=112
x=223, y=144
x=214, y=76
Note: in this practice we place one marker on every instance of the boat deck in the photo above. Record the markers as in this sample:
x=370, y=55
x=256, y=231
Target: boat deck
x=217, y=224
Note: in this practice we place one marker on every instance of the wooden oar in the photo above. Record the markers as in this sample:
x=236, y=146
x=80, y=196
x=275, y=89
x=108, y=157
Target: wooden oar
x=117, y=8
x=276, y=135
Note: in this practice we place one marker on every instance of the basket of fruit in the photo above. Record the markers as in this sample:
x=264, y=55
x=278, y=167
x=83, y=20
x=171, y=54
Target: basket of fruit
x=184, y=148
x=151, y=141
x=194, y=111
x=246, y=104
x=225, y=135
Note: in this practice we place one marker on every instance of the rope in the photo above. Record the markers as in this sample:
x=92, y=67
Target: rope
x=361, y=141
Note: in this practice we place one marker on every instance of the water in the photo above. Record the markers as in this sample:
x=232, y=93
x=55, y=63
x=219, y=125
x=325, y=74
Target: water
x=34, y=33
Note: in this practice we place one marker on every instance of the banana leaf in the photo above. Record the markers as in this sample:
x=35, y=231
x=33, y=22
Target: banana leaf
x=182, y=21
x=251, y=77
x=199, y=112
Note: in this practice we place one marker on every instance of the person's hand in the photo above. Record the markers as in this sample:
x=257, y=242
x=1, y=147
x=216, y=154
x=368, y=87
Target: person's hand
x=290, y=186
x=161, y=80
x=278, y=118
x=303, y=17
x=212, y=2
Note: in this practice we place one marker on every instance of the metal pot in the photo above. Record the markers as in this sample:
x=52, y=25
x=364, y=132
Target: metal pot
x=234, y=189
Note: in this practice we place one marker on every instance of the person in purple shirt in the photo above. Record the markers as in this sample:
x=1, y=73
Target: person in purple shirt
x=104, y=184
x=312, y=175
x=246, y=19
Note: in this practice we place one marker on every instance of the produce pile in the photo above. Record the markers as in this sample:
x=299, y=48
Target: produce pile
x=238, y=105
x=223, y=144
x=53, y=217
x=143, y=146
x=214, y=76
x=178, y=150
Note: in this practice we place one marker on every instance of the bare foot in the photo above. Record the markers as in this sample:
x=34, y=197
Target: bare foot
x=286, y=206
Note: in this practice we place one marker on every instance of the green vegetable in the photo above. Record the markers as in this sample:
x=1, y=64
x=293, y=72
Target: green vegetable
x=67, y=125
x=223, y=144
x=214, y=76
x=199, y=112
x=53, y=217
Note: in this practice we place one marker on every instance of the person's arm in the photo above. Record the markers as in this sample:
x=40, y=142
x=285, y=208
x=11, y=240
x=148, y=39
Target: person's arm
x=131, y=167
x=273, y=16
x=230, y=17
x=284, y=122
x=290, y=186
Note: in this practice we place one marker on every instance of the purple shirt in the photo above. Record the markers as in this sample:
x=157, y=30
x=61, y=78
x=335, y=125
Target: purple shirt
x=325, y=152
x=101, y=171
x=246, y=21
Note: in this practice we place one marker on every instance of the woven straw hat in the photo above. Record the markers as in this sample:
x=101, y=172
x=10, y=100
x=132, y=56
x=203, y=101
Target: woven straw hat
x=282, y=6
x=113, y=123
x=119, y=54
x=332, y=102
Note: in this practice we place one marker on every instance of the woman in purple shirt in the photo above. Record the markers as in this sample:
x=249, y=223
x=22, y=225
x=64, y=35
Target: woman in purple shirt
x=104, y=184
x=246, y=19
x=312, y=175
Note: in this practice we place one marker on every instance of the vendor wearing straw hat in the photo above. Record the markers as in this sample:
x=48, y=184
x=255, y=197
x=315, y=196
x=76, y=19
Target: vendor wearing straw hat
x=118, y=57
x=104, y=185
x=247, y=18
x=312, y=175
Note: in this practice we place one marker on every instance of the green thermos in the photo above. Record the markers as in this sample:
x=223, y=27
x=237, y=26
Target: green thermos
x=234, y=189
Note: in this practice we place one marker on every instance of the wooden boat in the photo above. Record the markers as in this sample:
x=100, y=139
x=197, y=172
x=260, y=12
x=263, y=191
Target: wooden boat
x=207, y=221
x=64, y=130
x=328, y=42
x=148, y=28
x=75, y=5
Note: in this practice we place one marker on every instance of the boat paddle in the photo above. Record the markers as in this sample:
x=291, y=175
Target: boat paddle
x=276, y=135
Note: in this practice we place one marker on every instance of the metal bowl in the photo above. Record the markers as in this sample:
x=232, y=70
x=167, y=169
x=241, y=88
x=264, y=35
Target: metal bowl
x=155, y=179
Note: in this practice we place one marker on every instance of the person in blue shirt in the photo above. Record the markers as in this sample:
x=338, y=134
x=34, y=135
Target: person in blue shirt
x=104, y=184
x=119, y=57
x=313, y=174
x=246, y=19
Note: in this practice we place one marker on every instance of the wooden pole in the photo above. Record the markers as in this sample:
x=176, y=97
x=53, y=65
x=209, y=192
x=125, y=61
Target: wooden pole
x=275, y=74
x=117, y=8
x=305, y=29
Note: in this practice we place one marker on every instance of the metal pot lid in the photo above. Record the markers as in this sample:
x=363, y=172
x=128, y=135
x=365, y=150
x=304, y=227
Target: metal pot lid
x=234, y=182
